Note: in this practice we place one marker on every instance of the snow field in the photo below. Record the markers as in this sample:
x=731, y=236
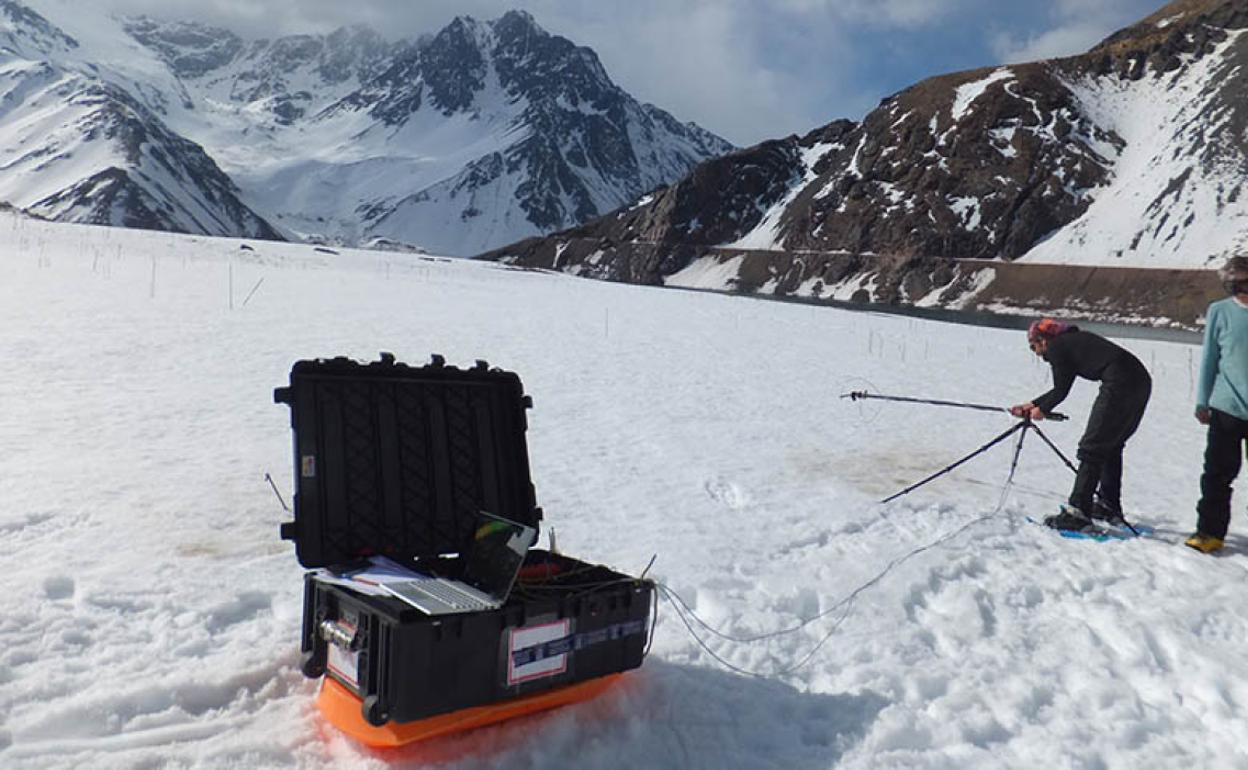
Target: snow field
x=150, y=614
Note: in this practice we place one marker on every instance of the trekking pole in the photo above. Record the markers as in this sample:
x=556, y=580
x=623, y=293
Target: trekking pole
x=856, y=395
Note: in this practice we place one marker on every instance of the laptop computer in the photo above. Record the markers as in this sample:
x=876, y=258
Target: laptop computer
x=491, y=563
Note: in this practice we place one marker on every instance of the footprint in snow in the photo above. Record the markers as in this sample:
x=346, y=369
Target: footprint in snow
x=58, y=587
x=727, y=493
x=244, y=607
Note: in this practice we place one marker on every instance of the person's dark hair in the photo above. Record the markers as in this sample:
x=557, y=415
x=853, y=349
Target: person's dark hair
x=1234, y=275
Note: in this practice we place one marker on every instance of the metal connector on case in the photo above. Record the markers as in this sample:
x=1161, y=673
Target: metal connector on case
x=339, y=636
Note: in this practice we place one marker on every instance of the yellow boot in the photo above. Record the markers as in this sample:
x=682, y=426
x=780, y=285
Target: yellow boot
x=1204, y=543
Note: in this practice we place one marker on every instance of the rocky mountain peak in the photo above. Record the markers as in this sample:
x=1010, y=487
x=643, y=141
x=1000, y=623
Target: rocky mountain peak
x=464, y=32
x=351, y=51
x=190, y=49
x=517, y=24
x=1160, y=42
x=454, y=64
x=22, y=29
x=575, y=139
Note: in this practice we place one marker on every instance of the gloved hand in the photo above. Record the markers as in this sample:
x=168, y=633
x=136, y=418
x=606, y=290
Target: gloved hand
x=1028, y=410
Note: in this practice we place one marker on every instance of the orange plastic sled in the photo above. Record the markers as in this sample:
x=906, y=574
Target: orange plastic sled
x=342, y=708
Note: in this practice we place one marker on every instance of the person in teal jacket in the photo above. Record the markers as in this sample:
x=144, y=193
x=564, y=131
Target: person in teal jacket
x=1222, y=404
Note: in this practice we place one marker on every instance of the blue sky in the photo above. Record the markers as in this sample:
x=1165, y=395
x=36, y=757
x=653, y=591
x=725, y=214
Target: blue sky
x=748, y=70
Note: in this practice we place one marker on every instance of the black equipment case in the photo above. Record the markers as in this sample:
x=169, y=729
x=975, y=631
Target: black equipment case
x=397, y=460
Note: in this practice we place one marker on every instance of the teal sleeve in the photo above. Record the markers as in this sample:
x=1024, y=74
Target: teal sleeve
x=1211, y=354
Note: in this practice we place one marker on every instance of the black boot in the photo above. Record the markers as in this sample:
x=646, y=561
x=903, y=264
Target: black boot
x=1071, y=519
x=1104, y=512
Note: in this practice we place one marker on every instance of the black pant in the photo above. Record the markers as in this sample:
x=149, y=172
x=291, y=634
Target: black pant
x=1116, y=415
x=1227, y=436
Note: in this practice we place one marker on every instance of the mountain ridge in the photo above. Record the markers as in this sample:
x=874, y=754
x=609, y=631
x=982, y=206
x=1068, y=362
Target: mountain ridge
x=1129, y=155
x=452, y=142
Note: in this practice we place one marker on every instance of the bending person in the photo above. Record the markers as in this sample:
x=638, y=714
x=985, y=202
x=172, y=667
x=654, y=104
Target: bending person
x=1125, y=388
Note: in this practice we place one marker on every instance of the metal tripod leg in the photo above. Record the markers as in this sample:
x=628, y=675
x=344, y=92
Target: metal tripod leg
x=1020, y=426
x=1018, y=449
x=1053, y=446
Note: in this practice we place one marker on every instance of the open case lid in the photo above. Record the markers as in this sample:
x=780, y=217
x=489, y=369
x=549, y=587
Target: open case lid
x=398, y=460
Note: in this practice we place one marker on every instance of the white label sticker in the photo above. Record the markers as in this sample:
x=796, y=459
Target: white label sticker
x=345, y=664
x=531, y=636
x=308, y=466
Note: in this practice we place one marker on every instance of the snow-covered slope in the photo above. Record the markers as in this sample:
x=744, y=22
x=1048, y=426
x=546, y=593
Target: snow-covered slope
x=1175, y=197
x=477, y=136
x=150, y=614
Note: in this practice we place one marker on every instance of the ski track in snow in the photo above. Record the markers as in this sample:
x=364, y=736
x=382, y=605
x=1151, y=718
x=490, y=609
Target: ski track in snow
x=151, y=614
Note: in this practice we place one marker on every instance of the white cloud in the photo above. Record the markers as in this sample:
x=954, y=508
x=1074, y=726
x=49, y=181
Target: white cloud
x=908, y=13
x=1065, y=40
x=1079, y=26
x=880, y=13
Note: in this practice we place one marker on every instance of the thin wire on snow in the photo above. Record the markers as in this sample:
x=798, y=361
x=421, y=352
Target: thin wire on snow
x=686, y=613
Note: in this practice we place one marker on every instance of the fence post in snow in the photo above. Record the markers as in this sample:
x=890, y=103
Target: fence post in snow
x=253, y=291
x=151, y=293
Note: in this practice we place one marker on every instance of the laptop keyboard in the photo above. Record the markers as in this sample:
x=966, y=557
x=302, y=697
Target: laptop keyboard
x=443, y=593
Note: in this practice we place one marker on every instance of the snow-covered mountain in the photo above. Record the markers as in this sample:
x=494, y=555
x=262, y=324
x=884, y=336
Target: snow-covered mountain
x=1133, y=155
x=77, y=145
x=482, y=134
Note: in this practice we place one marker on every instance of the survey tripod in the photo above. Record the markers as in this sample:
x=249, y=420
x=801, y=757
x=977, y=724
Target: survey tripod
x=1022, y=428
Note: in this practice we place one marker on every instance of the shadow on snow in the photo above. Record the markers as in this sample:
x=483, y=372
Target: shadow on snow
x=667, y=716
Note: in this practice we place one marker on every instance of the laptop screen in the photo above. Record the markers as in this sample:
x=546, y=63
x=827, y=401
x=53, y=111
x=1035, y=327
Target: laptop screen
x=494, y=557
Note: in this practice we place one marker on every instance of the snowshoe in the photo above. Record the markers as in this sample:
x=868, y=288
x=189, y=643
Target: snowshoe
x=1070, y=519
